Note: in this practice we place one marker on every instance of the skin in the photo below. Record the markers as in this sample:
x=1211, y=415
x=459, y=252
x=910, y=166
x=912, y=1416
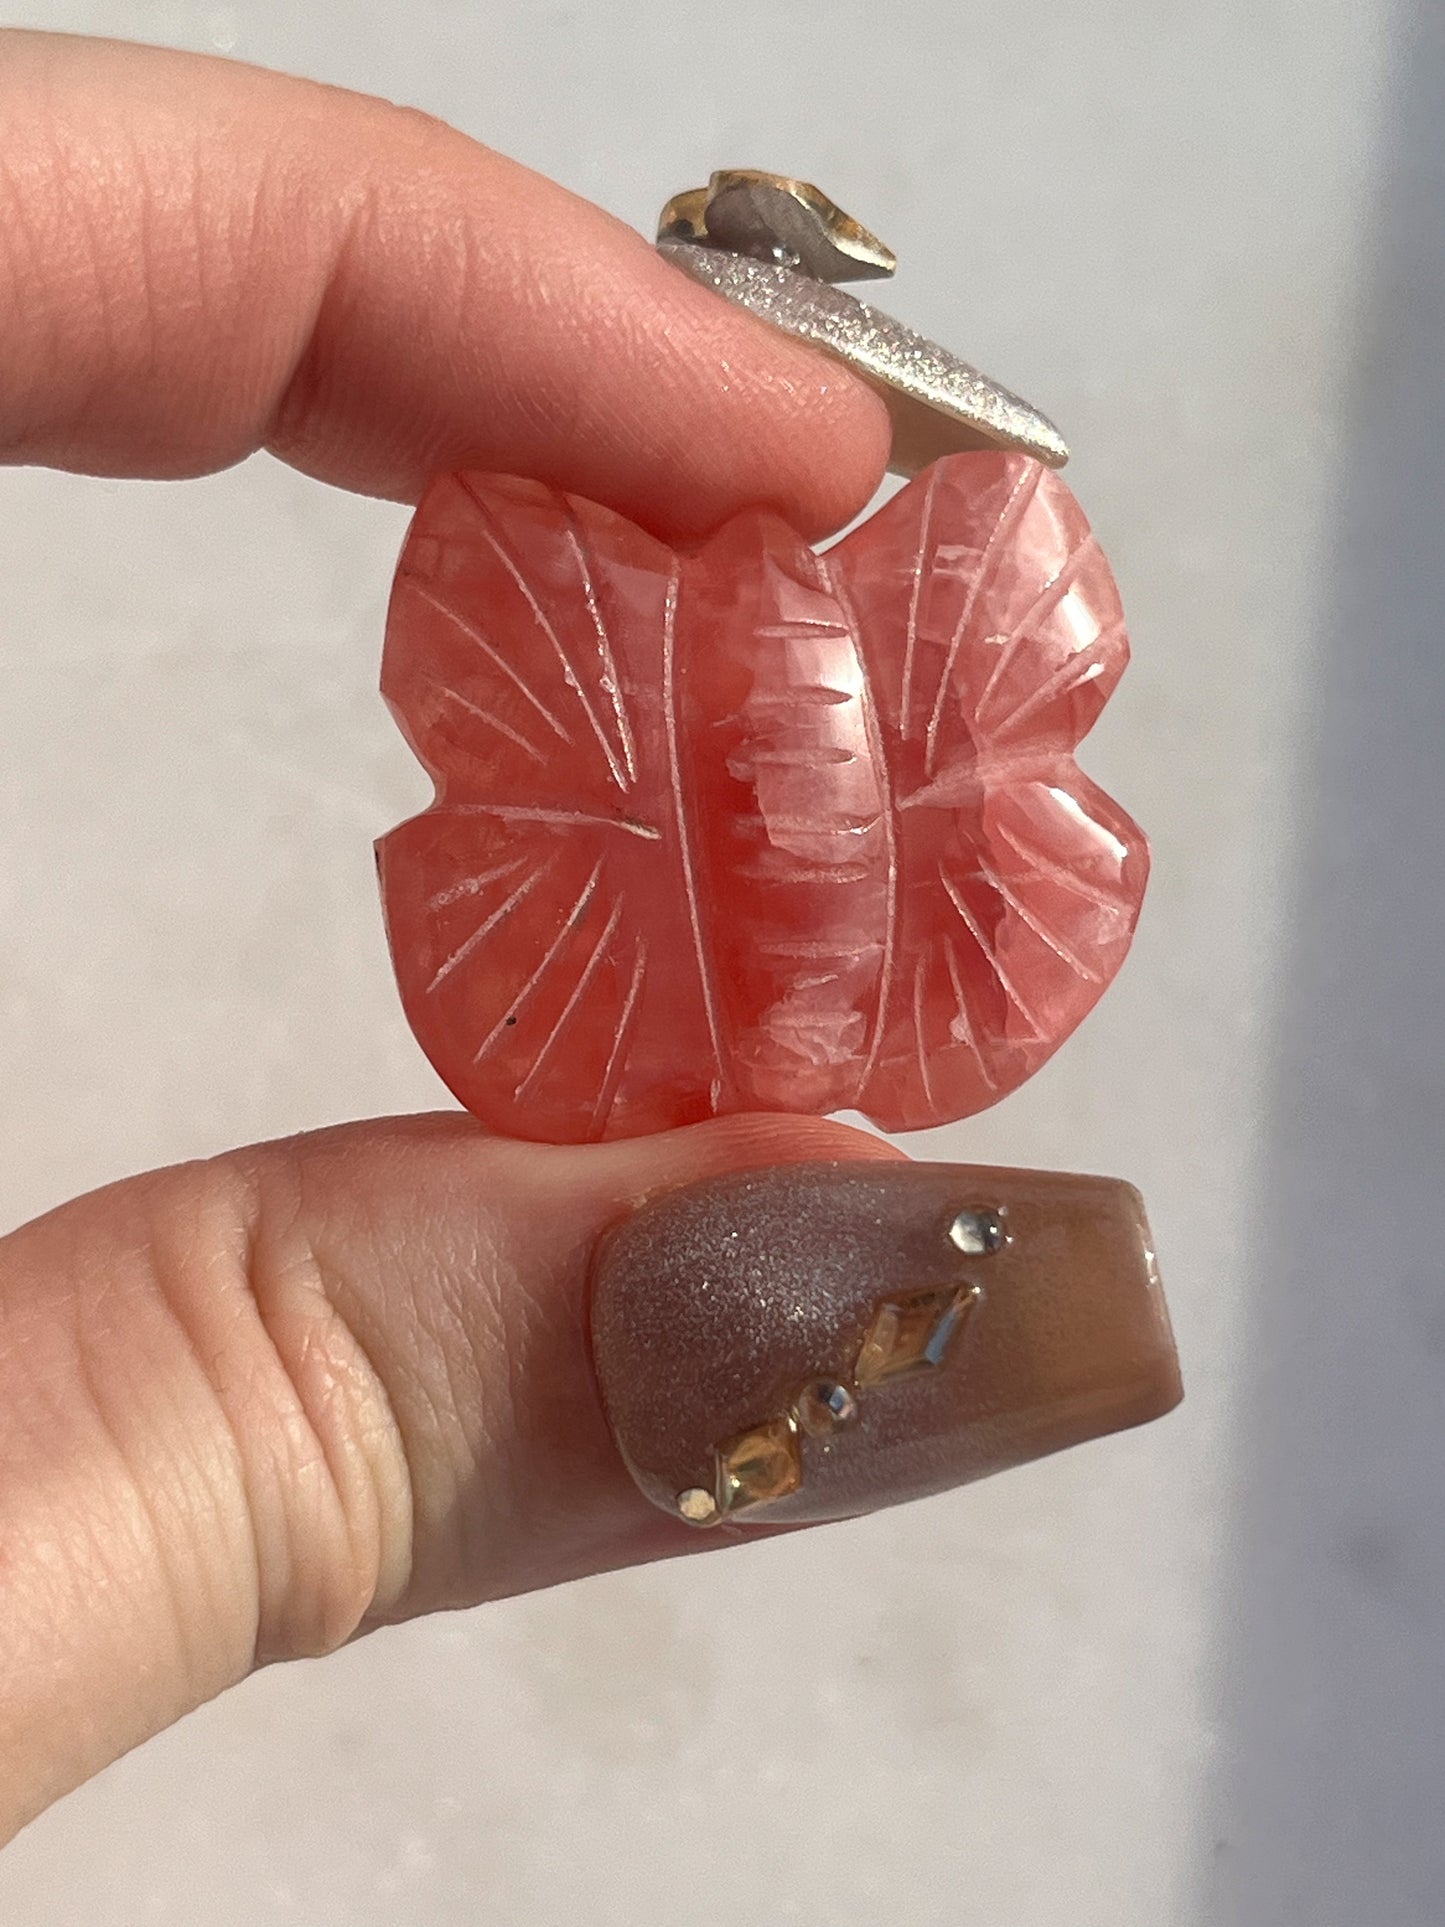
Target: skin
x=253, y=1407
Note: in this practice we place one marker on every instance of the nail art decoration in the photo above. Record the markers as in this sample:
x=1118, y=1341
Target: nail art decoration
x=750, y=827
x=777, y=246
x=814, y=1341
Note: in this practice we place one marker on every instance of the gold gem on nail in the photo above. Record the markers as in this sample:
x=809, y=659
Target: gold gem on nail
x=732, y=1317
x=759, y=1465
x=908, y=1334
x=913, y=1334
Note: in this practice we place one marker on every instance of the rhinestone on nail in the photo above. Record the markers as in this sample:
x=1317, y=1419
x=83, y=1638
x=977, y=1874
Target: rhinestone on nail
x=825, y=1405
x=697, y=1506
x=977, y=1233
x=759, y=1465
x=913, y=1334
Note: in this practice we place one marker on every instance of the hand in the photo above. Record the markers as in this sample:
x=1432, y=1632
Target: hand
x=252, y=1407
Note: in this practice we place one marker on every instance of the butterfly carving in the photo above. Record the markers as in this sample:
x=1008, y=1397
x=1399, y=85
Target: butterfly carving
x=746, y=826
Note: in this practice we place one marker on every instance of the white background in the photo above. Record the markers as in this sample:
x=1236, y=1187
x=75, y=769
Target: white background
x=1194, y=1675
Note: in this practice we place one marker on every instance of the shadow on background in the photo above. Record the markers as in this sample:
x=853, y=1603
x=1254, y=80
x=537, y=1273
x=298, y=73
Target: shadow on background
x=1330, y=1808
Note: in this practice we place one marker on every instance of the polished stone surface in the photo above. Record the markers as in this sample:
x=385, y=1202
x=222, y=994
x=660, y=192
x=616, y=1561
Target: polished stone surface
x=750, y=827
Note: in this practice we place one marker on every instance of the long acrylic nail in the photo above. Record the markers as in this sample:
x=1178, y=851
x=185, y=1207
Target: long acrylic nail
x=814, y=1341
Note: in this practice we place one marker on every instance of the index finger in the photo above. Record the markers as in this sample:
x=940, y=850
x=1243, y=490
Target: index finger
x=200, y=259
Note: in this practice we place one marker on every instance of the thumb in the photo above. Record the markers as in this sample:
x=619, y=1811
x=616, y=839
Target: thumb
x=253, y=1406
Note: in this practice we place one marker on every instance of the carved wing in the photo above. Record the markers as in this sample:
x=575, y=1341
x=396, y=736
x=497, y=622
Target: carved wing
x=991, y=633
x=530, y=909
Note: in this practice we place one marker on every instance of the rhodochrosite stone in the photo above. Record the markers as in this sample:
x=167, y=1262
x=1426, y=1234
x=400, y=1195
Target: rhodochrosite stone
x=748, y=827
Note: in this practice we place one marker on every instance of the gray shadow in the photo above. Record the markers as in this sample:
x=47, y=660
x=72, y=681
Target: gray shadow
x=1330, y=1797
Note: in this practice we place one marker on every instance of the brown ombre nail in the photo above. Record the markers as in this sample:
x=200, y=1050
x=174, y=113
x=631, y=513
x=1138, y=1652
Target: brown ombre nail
x=814, y=1341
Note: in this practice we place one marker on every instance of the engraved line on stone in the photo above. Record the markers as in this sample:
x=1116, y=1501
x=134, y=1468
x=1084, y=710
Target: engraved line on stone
x=1006, y=644
x=806, y=629
x=799, y=1024
x=826, y=823
x=816, y=949
x=910, y=640
x=806, y=696
x=1060, y=873
x=573, y=681
x=473, y=886
x=684, y=838
x=1043, y=606
x=1060, y=949
x=1064, y=678
x=579, y=990
x=918, y=1033
x=493, y=722
x=773, y=866
x=465, y=949
x=611, y=682
x=574, y=819
x=475, y=635
x=607, y=1095
x=1010, y=516
x=889, y=818
x=813, y=756
x=968, y=1039
x=573, y=918
x=990, y=956
x=964, y=785
x=1045, y=602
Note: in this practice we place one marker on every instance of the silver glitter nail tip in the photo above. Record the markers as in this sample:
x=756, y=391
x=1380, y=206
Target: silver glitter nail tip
x=939, y=403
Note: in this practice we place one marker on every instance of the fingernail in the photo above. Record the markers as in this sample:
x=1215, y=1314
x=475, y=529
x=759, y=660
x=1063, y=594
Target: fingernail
x=815, y=1341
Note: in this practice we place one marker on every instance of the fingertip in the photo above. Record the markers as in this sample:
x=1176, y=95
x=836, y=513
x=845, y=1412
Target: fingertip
x=376, y=298
x=736, y=414
x=832, y=453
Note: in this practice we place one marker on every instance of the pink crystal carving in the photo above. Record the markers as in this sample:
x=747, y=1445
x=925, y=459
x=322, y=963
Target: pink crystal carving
x=749, y=827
